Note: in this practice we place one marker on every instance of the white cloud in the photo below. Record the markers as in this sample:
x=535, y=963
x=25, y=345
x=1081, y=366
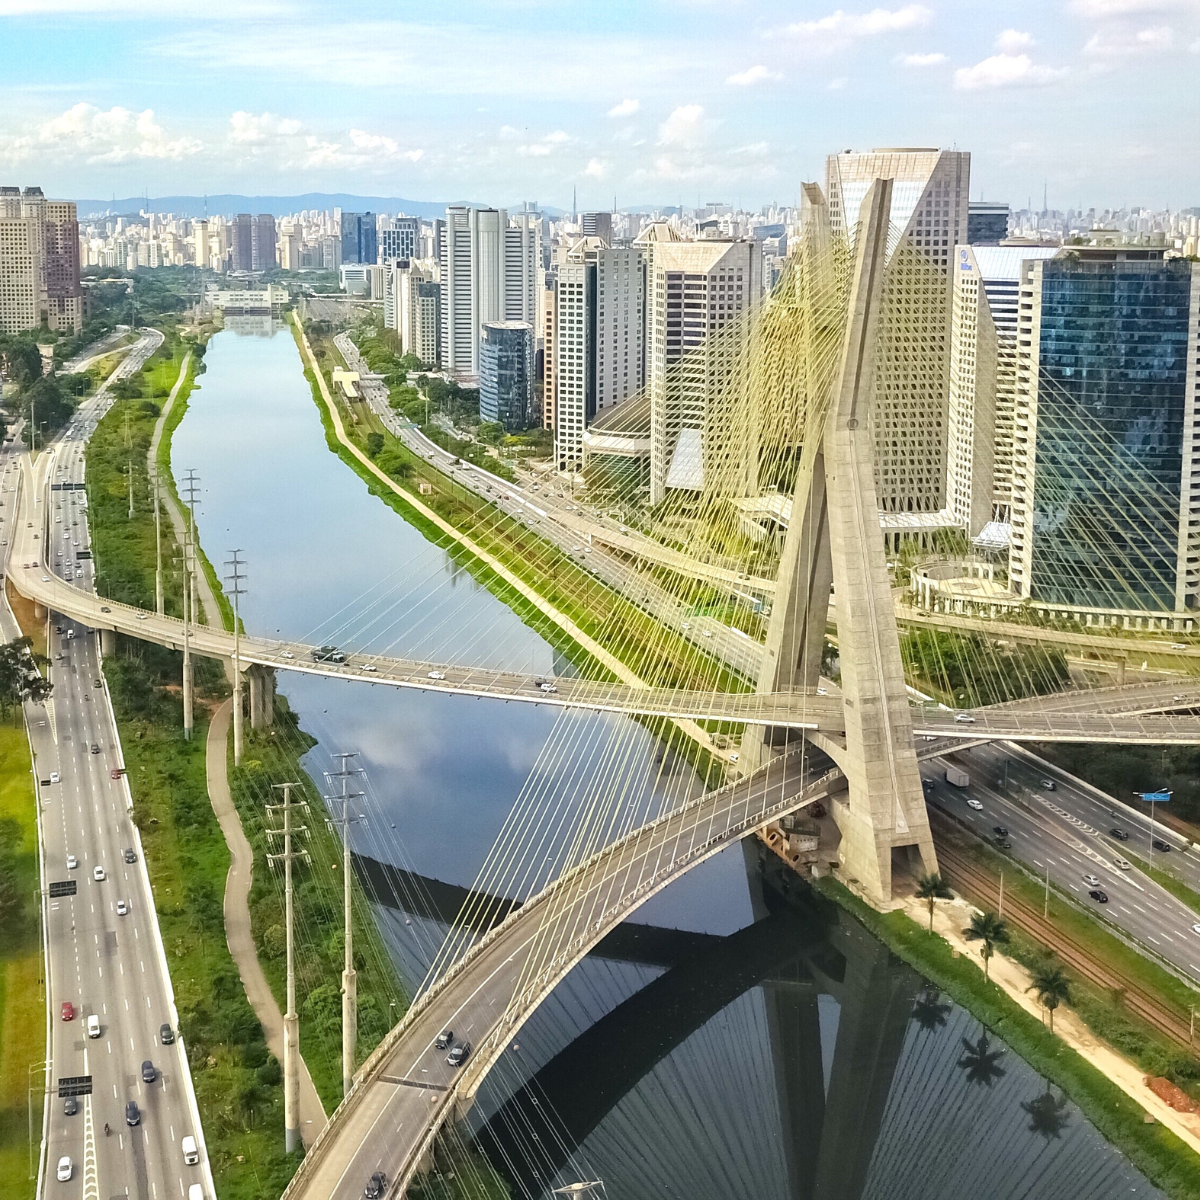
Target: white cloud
x=684, y=127
x=596, y=169
x=544, y=146
x=921, y=60
x=92, y=135
x=1125, y=8
x=1117, y=42
x=625, y=109
x=250, y=130
x=1013, y=41
x=1005, y=70
x=841, y=26
x=753, y=75
x=284, y=142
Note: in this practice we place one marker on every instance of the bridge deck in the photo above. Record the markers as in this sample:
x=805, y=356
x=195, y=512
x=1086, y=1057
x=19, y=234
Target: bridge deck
x=407, y=1089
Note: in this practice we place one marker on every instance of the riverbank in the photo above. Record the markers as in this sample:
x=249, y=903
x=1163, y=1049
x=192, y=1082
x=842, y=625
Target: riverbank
x=22, y=990
x=1003, y=1006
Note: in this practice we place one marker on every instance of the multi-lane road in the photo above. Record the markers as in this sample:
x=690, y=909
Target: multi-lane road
x=1067, y=831
x=105, y=955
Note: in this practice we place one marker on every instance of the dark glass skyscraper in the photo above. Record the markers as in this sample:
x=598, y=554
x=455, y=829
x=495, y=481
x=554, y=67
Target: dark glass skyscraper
x=358, y=237
x=506, y=373
x=1105, y=423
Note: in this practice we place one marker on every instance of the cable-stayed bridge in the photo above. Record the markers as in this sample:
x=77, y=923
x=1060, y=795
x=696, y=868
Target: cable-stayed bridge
x=824, y=357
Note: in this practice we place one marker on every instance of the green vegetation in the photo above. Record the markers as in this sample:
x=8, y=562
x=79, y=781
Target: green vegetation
x=988, y=928
x=272, y=756
x=20, y=679
x=22, y=1000
x=236, y=1080
x=931, y=888
x=1159, y=1154
x=968, y=670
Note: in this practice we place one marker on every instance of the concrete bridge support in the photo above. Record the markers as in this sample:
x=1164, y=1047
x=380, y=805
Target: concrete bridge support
x=108, y=642
x=262, y=696
x=834, y=537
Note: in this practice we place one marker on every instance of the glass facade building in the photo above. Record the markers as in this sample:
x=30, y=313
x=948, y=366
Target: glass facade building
x=1107, y=432
x=506, y=373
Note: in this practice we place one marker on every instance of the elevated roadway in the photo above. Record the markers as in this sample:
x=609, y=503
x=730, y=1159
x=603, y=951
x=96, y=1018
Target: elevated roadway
x=406, y=1090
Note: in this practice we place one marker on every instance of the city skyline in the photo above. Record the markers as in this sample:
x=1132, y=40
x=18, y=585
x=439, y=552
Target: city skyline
x=679, y=103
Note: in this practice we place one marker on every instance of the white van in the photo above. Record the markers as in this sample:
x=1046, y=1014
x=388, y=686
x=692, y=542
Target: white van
x=93, y=1026
x=196, y=1192
x=190, y=1153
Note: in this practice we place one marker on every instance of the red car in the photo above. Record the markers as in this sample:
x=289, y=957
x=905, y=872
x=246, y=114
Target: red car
x=116, y=773
x=68, y=1011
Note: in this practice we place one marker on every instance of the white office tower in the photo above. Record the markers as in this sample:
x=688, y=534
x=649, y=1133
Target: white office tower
x=594, y=339
x=692, y=290
x=200, y=243
x=412, y=306
x=20, y=266
x=982, y=398
x=489, y=271
x=929, y=214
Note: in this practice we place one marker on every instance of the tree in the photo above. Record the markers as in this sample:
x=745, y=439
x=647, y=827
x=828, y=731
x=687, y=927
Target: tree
x=19, y=678
x=1047, y=1114
x=992, y=931
x=374, y=444
x=1052, y=986
x=931, y=888
x=980, y=1061
x=930, y=1010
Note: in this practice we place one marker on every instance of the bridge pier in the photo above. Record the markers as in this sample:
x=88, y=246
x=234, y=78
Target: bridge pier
x=39, y=611
x=262, y=696
x=108, y=642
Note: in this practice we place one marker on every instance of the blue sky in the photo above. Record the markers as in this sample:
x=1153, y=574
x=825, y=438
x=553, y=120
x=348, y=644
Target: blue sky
x=655, y=101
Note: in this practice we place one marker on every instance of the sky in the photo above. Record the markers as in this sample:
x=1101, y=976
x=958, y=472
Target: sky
x=648, y=102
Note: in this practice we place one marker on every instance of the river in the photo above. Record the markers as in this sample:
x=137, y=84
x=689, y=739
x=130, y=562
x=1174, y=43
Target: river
x=740, y=1040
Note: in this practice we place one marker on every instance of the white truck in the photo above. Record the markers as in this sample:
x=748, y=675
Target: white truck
x=957, y=777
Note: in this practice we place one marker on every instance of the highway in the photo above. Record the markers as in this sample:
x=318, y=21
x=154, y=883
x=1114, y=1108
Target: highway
x=1043, y=834
x=102, y=961
x=406, y=1089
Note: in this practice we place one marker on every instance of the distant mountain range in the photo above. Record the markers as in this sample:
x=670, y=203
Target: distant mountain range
x=278, y=206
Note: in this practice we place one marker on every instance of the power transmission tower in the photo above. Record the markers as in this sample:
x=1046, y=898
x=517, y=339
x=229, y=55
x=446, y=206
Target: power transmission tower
x=291, y=1022
x=349, y=975
x=189, y=489
x=235, y=579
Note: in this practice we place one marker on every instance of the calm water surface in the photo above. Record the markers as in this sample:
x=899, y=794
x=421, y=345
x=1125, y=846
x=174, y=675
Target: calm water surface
x=738, y=1042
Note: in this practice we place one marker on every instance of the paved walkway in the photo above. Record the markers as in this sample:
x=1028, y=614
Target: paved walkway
x=237, y=918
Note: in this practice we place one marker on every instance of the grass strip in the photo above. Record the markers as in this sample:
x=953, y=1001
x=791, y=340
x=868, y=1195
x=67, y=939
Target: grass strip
x=1161, y=1156
x=22, y=996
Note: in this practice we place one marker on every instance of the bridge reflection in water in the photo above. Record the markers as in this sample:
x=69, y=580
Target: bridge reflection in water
x=795, y=1059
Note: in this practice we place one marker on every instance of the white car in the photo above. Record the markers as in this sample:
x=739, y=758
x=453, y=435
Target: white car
x=1196, y=928
x=369, y=667
x=1091, y=881
x=98, y=874
x=122, y=908
x=973, y=803
x=437, y=675
x=288, y=654
x=1123, y=864
x=964, y=718
x=65, y=1168
x=54, y=777
x=72, y=862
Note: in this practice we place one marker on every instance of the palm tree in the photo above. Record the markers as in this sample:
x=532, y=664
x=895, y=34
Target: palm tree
x=980, y=1061
x=1047, y=1114
x=992, y=931
x=1052, y=986
x=931, y=888
x=930, y=1010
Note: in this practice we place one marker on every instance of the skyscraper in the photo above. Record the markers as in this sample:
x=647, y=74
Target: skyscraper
x=929, y=215
x=982, y=396
x=359, y=242
x=263, y=242
x=987, y=223
x=400, y=239
x=489, y=272
x=242, y=242
x=693, y=289
x=506, y=373
x=597, y=224
x=1106, y=472
x=39, y=262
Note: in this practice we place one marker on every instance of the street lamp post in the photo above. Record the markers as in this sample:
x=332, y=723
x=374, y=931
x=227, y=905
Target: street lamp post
x=235, y=579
